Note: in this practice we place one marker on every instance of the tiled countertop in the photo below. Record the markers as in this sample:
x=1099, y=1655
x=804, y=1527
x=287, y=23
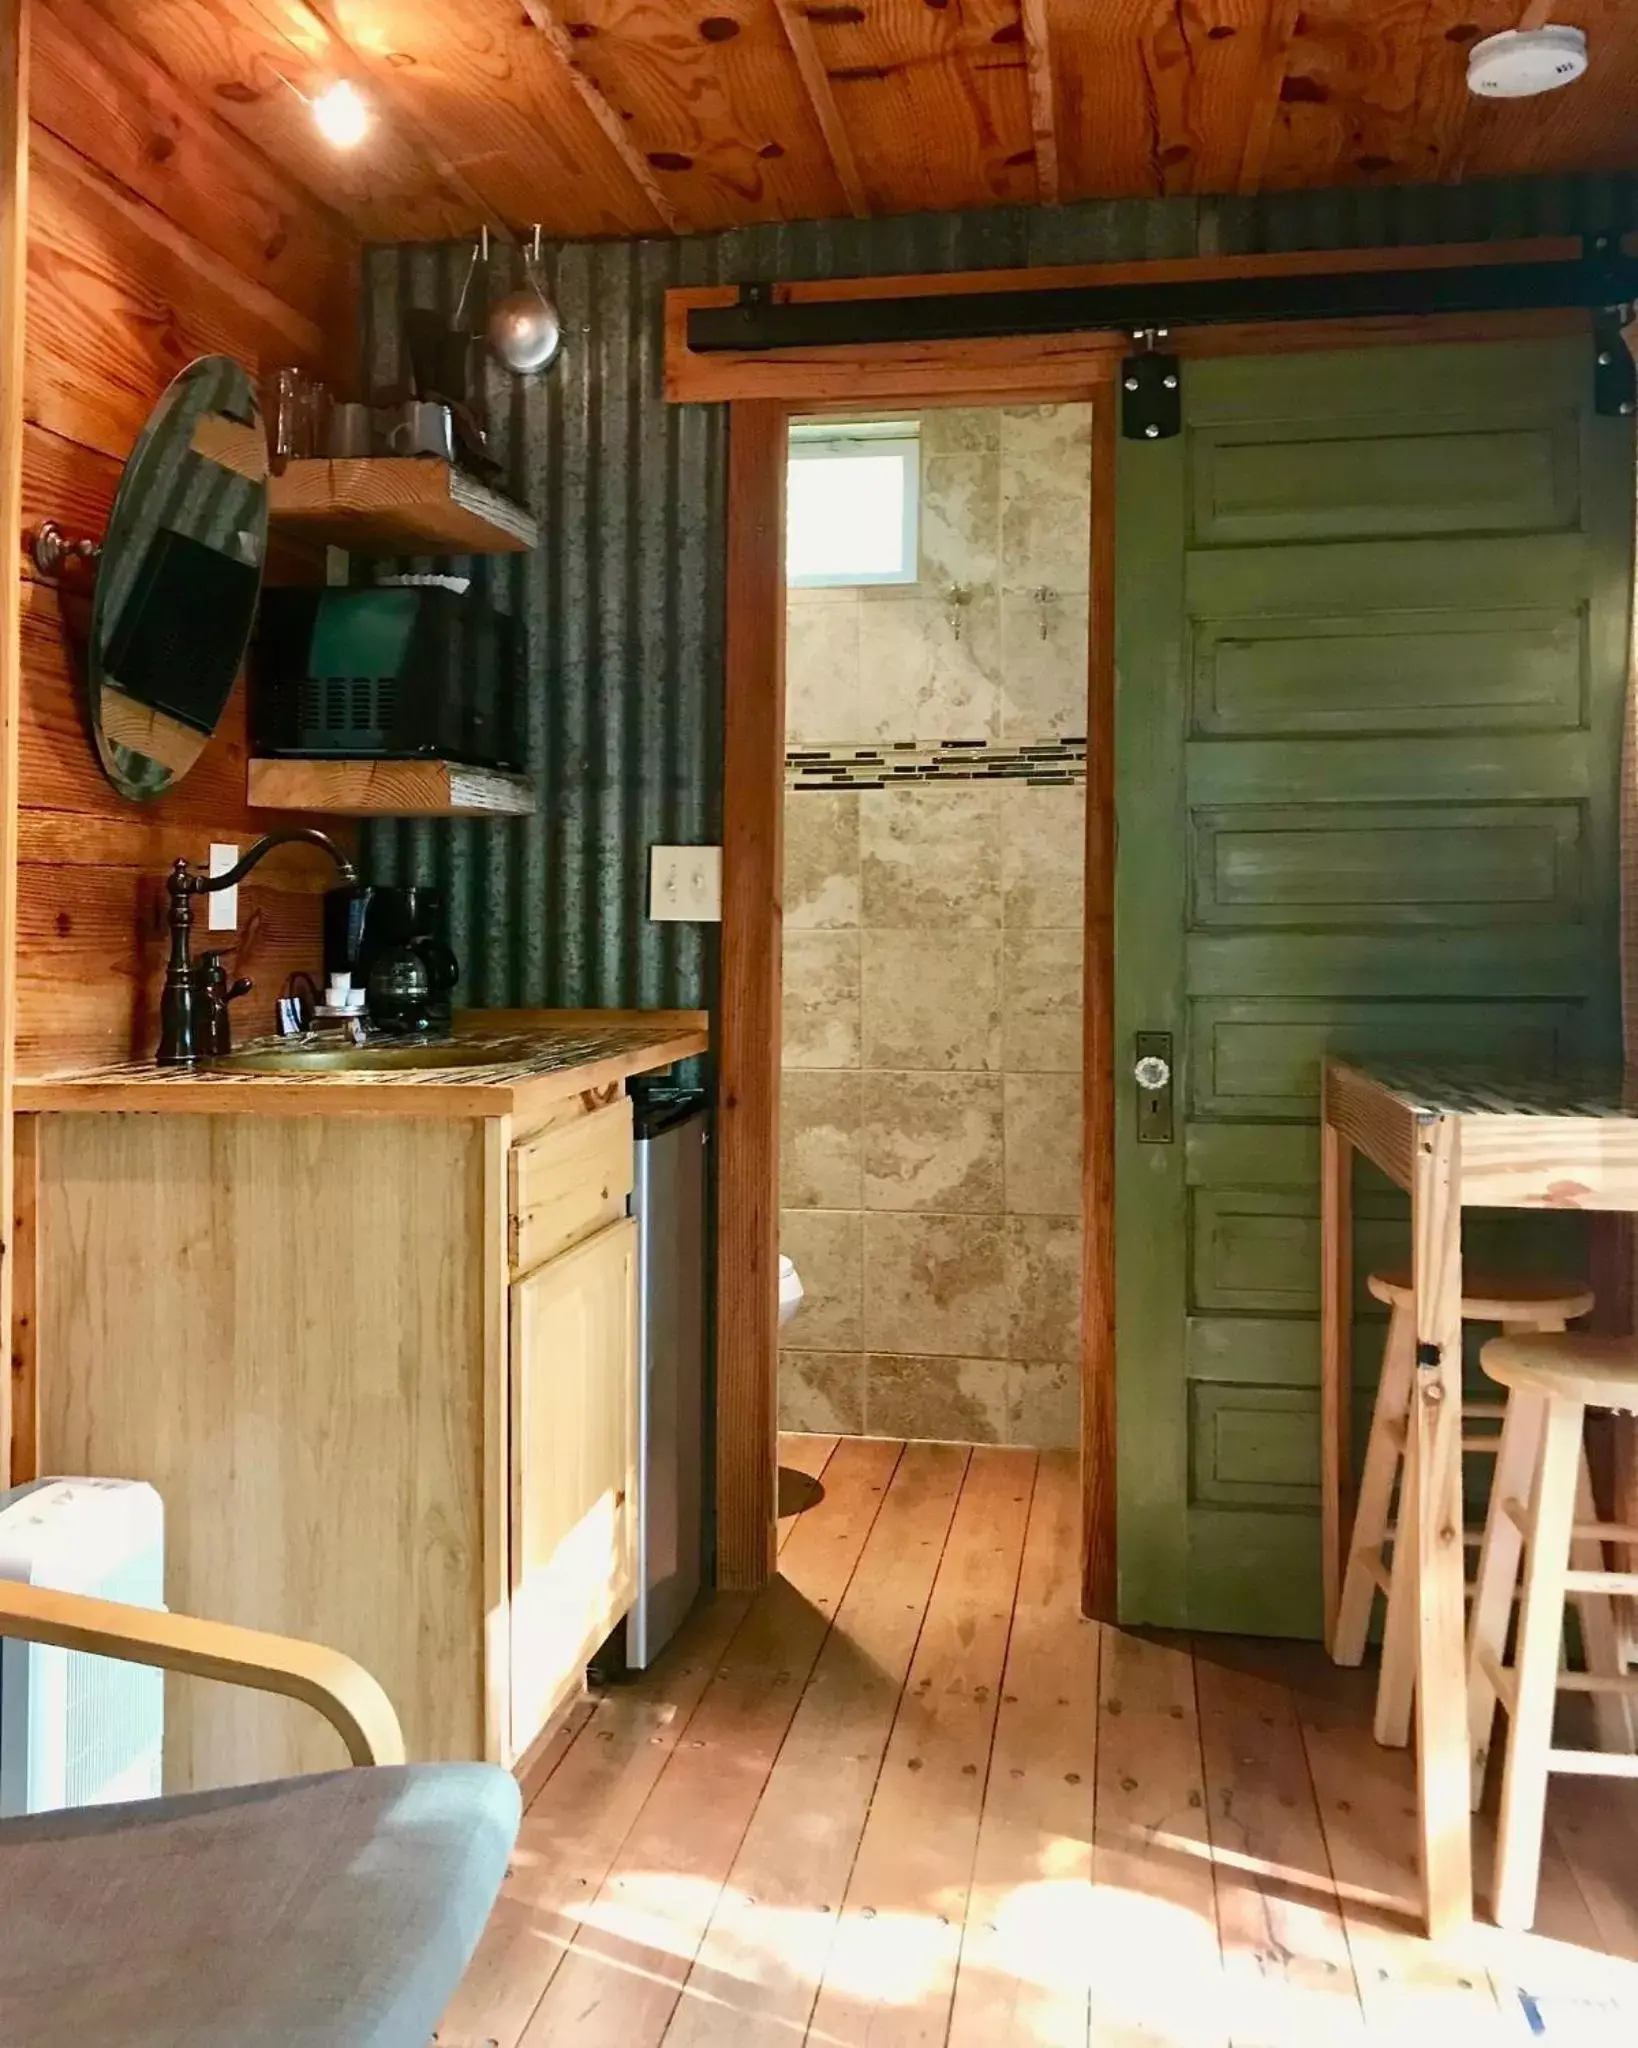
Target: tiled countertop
x=539, y=1056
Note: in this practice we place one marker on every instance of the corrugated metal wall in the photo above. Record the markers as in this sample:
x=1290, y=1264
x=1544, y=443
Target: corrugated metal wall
x=623, y=603
x=622, y=628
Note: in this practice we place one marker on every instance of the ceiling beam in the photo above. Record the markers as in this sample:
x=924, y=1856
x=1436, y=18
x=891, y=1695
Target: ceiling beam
x=562, y=46
x=1279, y=30
x=1043, y=110
x=816, y=82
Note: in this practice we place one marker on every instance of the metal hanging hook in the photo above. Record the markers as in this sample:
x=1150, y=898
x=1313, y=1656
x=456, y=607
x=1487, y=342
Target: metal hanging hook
x=480, y=254
x=53, y=551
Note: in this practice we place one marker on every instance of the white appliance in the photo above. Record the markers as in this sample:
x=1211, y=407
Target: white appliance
x=79, y=1730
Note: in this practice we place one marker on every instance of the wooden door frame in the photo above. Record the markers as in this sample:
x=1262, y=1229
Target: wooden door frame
x=761, y=391
x=748, y=1028
x=748, y=1035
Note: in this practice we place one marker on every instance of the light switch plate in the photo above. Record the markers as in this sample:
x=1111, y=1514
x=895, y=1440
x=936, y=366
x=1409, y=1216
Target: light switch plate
x=685, y=884
x=222, y=908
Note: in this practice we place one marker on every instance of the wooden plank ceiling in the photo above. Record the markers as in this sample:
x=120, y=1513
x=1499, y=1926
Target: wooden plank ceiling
x=609, y=117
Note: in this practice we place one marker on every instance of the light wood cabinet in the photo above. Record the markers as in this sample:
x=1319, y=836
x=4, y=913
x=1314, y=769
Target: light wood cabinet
x=382, y=1371
x=567, y=1181
x=574, y=1467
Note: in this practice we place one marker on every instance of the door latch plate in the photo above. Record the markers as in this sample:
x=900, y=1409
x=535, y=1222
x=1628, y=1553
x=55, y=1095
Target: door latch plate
x=1154, y=1103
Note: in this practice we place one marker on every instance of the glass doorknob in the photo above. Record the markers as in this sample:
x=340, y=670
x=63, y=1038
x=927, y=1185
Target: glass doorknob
x=1152, y=1072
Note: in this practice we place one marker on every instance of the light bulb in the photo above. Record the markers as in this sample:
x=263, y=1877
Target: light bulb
x=342, y=115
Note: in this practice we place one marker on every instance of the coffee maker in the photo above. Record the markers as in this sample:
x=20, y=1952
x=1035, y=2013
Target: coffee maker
x=388, y=940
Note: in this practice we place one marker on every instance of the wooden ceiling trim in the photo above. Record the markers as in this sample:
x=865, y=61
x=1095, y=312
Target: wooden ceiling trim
x=559, y=42
x=1448, y=116
x=793, y=19
x=1043, y=112
x=935, y=98
x=1280, y=27
x=1156, y=99
x=1229, y=74
x=716, y=101
x=1347, y=111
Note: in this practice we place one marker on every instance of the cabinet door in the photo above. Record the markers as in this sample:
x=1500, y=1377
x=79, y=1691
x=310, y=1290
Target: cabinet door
x=574, y=1467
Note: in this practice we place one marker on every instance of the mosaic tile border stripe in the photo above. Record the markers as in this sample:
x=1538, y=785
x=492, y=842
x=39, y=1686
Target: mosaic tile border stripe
x=907, y=762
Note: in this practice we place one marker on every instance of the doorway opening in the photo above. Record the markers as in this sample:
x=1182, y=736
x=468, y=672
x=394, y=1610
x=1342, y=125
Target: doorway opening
x=936, y=720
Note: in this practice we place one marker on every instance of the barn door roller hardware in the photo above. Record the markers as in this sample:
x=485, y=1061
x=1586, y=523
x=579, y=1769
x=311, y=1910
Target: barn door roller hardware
x=1615, y=375
x=1151, y=391
x=1603, y=279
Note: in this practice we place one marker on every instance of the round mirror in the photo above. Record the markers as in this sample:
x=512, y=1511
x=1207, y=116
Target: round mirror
x=178, y=578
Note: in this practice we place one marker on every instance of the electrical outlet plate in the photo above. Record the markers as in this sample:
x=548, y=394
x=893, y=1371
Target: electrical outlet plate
x=685, y=884
x=222, y=907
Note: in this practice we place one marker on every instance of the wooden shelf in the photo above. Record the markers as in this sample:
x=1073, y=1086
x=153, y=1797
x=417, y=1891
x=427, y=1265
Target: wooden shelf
x=389, y=789
x=398, y=505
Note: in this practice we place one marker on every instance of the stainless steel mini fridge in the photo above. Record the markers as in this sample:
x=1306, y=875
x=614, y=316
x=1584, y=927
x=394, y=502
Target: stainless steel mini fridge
x=668, y=1201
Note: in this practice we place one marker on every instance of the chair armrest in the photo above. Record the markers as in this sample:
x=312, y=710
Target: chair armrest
x=342, y=1691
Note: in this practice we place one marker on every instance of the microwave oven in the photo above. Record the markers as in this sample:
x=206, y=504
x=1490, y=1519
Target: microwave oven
x=390, y=673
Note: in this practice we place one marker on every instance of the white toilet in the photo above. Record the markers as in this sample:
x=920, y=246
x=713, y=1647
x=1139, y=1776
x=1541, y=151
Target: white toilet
x=790, y=1291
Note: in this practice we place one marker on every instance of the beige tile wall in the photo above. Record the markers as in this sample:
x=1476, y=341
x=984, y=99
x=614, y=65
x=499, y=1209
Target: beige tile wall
x=1005, y=515
x=930, y=1168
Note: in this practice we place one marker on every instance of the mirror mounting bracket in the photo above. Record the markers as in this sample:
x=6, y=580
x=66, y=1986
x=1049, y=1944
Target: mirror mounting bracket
x=53, y=550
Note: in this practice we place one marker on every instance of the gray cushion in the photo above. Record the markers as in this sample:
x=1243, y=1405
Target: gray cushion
x=326, y=1912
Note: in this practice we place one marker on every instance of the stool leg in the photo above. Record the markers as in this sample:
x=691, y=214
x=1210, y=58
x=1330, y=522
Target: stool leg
x=1396, y=1681
x=1375, y=1489
x=1498, y=1573
x=1600, y=1640
x=1535, y=1678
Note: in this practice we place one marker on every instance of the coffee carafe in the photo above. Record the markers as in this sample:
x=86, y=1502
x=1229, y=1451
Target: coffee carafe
x=371, y=927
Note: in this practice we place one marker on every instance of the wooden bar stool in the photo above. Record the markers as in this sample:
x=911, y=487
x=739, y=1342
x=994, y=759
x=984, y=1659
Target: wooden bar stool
x=1521, y=1305
x=1541, y=1505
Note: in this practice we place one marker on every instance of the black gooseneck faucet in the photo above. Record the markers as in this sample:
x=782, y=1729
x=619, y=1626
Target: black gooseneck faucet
x=181, y=1027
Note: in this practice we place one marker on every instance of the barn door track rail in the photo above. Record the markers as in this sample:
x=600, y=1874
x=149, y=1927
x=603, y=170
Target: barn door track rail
x=1602, y=279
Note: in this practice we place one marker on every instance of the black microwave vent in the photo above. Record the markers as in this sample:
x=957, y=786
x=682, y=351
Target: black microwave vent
x=355, y=714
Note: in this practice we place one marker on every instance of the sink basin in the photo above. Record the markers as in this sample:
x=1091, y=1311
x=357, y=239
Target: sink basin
x=354, y=1059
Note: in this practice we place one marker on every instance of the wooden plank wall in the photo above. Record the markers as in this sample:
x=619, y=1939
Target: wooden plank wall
x=156, y=234
x=14, y=55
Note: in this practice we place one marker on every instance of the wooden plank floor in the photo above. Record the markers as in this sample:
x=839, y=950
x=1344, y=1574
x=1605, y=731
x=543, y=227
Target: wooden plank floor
x=906, y=1795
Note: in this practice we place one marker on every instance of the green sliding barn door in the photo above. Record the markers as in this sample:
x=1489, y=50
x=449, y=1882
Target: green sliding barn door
x=1372, y=622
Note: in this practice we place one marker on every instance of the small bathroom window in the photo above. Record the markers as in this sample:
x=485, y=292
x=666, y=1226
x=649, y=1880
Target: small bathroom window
x=852, y=502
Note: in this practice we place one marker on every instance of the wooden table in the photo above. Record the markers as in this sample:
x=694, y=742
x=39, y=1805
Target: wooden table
x=1451, y=1140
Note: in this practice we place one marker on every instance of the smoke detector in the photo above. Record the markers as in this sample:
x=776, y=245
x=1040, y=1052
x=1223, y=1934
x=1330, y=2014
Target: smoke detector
x=1521, y=62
